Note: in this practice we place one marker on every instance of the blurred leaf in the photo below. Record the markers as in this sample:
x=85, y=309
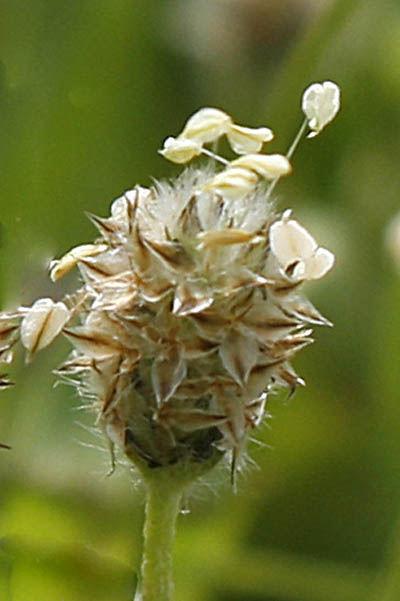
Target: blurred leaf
x=71, y=574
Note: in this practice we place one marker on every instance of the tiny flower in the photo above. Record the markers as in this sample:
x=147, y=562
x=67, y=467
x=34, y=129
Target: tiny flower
x=320, y=104
x=42, y=323
x=268, y=166
x=297, y=252
x=232, y=183
x=246, y=140
x=206, y=125
x=180, y=150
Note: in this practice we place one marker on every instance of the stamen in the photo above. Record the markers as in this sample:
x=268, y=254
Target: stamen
x=214, y=156
x=288, y=155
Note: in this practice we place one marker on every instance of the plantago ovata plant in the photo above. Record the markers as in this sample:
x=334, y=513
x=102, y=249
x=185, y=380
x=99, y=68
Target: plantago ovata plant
x=189, y=311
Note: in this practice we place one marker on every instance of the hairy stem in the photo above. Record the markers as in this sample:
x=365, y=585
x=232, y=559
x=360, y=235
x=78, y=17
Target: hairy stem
x=162, y=508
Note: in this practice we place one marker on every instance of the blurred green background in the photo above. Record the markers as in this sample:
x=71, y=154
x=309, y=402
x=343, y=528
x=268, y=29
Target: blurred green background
x=88, y=91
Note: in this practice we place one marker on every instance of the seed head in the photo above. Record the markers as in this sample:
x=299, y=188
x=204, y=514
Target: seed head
x=190, y=309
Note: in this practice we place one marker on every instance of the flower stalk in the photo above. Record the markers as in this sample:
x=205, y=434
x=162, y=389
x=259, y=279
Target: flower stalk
x=163, y=502
x=165, y=490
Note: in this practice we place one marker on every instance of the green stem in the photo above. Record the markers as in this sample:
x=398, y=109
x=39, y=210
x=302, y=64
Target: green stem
x=162, y=509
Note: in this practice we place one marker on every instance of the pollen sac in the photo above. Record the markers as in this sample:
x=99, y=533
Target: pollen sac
x=267, y=166
x=225, y=237
x=42, y=323
x=180, y=150
x=320, y=104
x=207, y=125
x=61, y=267
x=246, y=140
x=232, y=183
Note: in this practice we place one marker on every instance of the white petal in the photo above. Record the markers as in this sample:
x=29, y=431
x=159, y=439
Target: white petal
x=320, y=104
x=268, y=166
x=121, y=207
x=319, y=264
x=245, y=140
x=42, y=323
x=206, y=125
x=180, y=150
x=291, y=242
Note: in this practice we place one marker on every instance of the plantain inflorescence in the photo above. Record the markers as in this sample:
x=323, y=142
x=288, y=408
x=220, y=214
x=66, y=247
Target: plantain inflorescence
x=190, y=306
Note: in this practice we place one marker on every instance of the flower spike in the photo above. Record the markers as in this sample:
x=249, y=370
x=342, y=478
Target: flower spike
x=188, y=314
x=189, y=308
